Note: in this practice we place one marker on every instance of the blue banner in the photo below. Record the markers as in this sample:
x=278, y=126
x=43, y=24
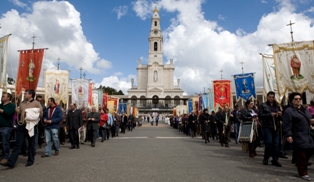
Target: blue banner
x=211, y=101
x=245, y=87
x=190, y=106
x=204, y=101
x=122, y=108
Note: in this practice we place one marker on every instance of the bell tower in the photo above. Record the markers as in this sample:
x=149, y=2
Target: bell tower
x=155, y=41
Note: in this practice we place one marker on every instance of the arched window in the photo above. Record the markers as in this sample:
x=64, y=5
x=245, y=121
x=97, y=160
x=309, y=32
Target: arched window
x=155, y=46
x=155, y=23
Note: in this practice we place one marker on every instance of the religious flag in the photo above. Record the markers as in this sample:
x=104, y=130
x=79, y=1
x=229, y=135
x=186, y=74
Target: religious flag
x=122, y=108
x=80, y=92
x=57, y=85
x=204, y=101
x=200, y=103
x=174, y=112
x=29, y=69
x=196, y=106
x=294, y=63
x=90, y=94
x=95, y=98
x=4, y=42
x=190, y=106
x=135, y=111
x=104, y=100
x=112, y=104
x=211, y=100
x=269, y=76
x=245, y=87
x=100, y=97
x=222, y=93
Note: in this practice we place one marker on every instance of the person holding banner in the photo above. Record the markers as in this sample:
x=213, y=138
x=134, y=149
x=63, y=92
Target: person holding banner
x=224, y=120
x=247, y=114
x=22, y=132
x=269, y=114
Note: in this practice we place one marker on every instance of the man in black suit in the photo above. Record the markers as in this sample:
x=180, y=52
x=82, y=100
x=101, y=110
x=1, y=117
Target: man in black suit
x=93, y=119
x=74, y=122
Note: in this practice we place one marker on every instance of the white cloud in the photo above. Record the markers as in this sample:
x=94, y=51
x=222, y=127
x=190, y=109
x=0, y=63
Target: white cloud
x=19, y=4
x=121, y=11
x=264, y=1
x=310, y=10
x=143, y=8
x=57, y=26
x=201, y=48
x=119, y=83
x=221, y=17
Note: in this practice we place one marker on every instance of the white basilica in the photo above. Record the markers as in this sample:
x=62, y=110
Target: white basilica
x=155, y=81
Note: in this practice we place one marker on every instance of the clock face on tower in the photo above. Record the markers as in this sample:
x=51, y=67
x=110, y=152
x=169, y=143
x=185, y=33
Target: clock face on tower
x=155, y=31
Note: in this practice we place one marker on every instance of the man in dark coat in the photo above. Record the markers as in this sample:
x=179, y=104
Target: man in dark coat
x=204, y=121
x=93, y=119
x=269, y=115
x=224, y=125
x=192, y=123
x=74, y=122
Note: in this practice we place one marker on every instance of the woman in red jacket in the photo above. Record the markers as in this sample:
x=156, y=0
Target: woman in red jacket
x=103, y=124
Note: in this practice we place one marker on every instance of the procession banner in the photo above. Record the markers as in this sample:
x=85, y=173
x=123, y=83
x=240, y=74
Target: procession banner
x=90, y=94
x=269, y=76
x=211, y=100
x=100, y=97
x=104, y=100
x=200, y=102
x=222, y=93
x=80, y=92
x=205, y=101
x=245, y=87
x=294, y=63
x=4, y=42
x=122, y=108
x=95, y=98
x=29, y=68
x=112, y=108
x=196, y=107
x=57, y=85
x=190, y=106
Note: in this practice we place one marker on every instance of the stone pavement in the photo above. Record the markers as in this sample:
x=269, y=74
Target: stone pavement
x=151, y=153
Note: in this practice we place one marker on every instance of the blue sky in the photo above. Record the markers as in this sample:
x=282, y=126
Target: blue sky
x=107, y=38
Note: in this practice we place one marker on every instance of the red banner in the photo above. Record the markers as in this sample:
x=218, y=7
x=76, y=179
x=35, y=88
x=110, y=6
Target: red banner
x=29, y=69
x=222, y=93
x=196, y=106
x=90, y=94
x=104, y=100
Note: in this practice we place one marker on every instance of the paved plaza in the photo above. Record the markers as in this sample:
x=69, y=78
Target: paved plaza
x=151, y=153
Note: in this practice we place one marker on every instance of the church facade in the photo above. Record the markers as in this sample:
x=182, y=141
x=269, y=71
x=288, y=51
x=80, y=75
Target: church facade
x=156, y=89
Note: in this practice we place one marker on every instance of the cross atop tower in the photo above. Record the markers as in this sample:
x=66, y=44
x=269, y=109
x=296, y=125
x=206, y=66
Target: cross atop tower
x=291, y=32
x=58, y=63
x=33, y=40
x=242, y=63
x=81, y=69
x=84, y=74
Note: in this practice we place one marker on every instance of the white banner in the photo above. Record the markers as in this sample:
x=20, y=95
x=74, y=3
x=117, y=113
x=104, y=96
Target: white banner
x=95, y=98
x=4, y=41
x=294, y=65
x=57, y=85
x=80, y=92
x=269, y=77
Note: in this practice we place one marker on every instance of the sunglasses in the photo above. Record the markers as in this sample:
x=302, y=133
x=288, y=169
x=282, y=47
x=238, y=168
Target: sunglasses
x=297, y=99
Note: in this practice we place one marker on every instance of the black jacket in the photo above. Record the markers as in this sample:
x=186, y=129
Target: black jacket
x=296, y=123
x=264, y=115
x=74, y=119
x=245, y=115
x=221, y=120
x=203, y=117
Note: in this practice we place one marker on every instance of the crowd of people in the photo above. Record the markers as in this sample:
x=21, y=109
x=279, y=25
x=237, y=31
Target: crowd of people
x=275, y=127
x=31, y=124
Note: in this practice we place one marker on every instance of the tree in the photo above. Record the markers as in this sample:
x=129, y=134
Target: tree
x=110, y=90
